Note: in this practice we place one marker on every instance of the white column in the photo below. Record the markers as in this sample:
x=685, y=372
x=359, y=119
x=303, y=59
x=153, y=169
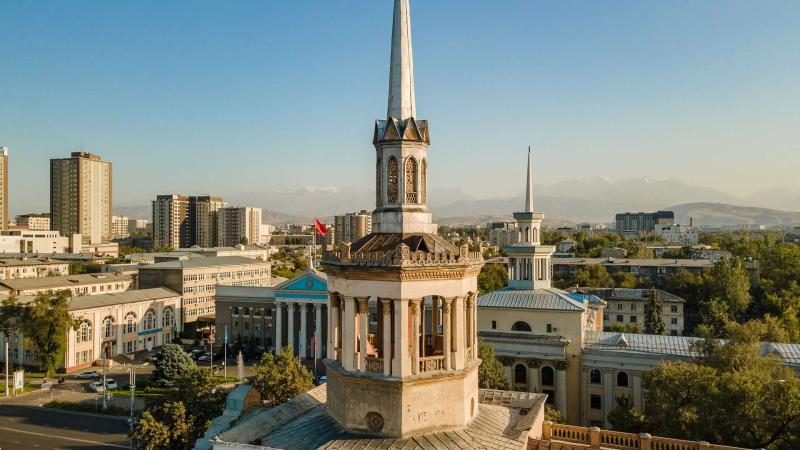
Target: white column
x=318, y=330
x=278, y=327
x=415, y=310
x=290, y=327
x=533, y=376
x=561, y=388
x=458, y=333
x=363, y=332
x=400, y=361
x=386, y=304
x=637, y=391
x=475, y=326
x=333, y=327
x=348, y=334
x=448, y=332
x=303, y=344
x=585, y=399
x=608, y=395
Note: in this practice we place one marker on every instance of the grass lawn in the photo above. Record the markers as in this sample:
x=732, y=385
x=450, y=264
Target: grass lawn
x=28, y=387
x=110, y=410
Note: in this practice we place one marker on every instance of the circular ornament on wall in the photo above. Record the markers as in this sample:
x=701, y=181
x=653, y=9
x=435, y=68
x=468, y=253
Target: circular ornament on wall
x=374, y=421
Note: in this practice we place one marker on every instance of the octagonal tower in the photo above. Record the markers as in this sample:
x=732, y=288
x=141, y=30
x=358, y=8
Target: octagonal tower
x=402, y=350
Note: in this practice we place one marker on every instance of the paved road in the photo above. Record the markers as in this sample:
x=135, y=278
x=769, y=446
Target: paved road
x=24, y=427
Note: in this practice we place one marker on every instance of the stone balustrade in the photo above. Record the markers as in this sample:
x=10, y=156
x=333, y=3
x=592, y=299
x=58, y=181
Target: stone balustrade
x=595, y=438
x=431, y=364
x=374, y=365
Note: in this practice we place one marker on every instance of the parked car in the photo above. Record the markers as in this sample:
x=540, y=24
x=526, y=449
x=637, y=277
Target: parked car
x=97, y=386
x=88, y=375
x=111, y=384
x=196, y=354
x=204, y=358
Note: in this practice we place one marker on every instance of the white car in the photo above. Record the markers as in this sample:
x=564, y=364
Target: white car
x=204, y=358
x=88, y=375
x=97, y=386
x=112, y=385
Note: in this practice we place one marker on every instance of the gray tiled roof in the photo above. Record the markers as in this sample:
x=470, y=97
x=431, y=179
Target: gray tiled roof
x=65, y=282
x=82, y=302
x=541, y=299
x=626, y=294
x=640, y=343
x=211, y=261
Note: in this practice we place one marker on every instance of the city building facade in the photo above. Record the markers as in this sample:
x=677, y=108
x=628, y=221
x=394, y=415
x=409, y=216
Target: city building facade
x=171, y=222
x=204, y=214
x=641, y=222
x=30, y=267
x=196, y=280
x=109, y=325
x=34, y=241
x=37, y=222
x=80, y=197
x=138, y=226
x=84, y=284
x=628, y=307
x=238, y=224
x=678, y=234
x=352, y=226
x=119, y=227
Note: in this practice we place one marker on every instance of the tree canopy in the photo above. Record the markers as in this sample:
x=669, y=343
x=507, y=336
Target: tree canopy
x=282, y=377
x=491, y=278
x=172, y=363
x=490, y=373
x=45, y=322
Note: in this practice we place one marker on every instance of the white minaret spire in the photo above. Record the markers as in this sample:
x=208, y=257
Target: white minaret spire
x=529, y=186
x=402, y=103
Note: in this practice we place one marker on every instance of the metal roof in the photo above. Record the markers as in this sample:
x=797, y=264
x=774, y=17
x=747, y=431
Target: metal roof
x=21, y=284
x=539, y=299
x=626, y=294
x=211, y=261
x=640, y=343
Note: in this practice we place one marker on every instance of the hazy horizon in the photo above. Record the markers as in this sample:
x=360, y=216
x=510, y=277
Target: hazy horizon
x=224, y=98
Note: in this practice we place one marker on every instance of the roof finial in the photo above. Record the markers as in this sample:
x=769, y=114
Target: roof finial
x=402, y=103
x=529, y=186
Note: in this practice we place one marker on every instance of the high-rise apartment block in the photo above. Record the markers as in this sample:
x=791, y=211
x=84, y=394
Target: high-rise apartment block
x=80, y=197
x=352, y=227
x=36, y=222
x=237, y=223
x=643, y=222
x=4, y=188
x=171, y=221
x=138, y=225
x=203, y=211
x=119, y=227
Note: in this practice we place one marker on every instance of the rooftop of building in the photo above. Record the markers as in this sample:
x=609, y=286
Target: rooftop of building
x=14, y=261
x=503, y=422
x=81, y=302
x=211, y=261
x=626, y=294
x=550, y=299
x=64, y=258
x=233, y=248
x=244, y=292
x=64, y=282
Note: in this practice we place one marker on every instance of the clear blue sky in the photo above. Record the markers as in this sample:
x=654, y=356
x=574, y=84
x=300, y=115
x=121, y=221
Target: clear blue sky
x=225, y=97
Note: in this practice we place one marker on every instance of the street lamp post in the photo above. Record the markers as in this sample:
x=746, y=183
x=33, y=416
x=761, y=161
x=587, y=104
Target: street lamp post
x=132, y=384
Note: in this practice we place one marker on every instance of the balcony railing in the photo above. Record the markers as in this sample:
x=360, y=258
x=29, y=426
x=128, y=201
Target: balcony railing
x=431, y=364
x=411, y=197
x=374, y=365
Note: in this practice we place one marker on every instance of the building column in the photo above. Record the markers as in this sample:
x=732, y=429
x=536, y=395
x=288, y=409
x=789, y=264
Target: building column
x=290, y=327
x=317, y=331
x=459, y=351
x=303, y=343
x=585, y=396
x=363, y=332
x=533, y=376
x=475, y=325
x=386, y=304
x=448, y=333
x=415, y=310
x=334, y=327
x=608, y=395
x=349, y=334
x=400, y=366
x=561, y=387
x=278, y=327
x=637, y=391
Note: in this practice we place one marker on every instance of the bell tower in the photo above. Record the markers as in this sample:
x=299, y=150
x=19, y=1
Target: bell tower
x=403, y=344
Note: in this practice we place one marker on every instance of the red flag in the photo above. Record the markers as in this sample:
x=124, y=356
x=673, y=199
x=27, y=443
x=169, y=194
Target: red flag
x=320, y=228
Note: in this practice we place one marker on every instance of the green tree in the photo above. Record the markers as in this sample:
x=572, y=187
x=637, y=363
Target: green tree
x=624, y=417
x=732, y=285
x=282, y=377
x=624, y=328
x=490, y=373
x=653, y=319
x=625, y=280
x=491, y=278
x=553, y=415
x=10, y=313
x=244, y=241
x=45, y=321
x=172, y=363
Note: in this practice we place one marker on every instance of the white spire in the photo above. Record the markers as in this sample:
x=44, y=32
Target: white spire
x=529, y=186
x=402, y=103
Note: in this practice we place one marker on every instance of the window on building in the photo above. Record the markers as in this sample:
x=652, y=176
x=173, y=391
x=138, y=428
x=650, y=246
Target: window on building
x=673, y=308
x=149, y=320
x=620, y=318
x=673, y=320
x=235, y=310
x=521, y=326
x=633, y=306
x=520, y=374
x=108, y=327
x=595, y=377
x=548, y=376
x=130, y=323
x=494, y=324
x=673, y=332
x=549, y=328
x=605, y=317
x=596, y=401
x=84, y=332
x=246, y=311
x=633, y=319
x=169, y=317
x=620, y=306
x=622, y=379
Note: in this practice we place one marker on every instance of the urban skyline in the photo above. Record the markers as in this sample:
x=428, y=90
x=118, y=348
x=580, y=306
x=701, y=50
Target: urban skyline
x=587, y=86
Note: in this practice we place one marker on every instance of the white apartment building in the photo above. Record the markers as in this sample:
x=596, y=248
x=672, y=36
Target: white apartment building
x=678, y=234
x=110, y=325
x=84, y=284
x=14, y=268
x=235, y=223
x=34, y=241
x=39, y=222
x=119, y=227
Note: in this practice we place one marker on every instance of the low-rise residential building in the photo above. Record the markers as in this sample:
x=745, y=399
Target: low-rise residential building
x=245, y=251
x=613, y=252
x=567, y=245
x=110, y=249
x=34, y=241
x=197, y=279
x=84, y=284
x=109, y=325
x=34, y=221
x=291, y=313
x=119, y=227
x=638, y=223
x=678, y=234
x=25, y=267
x=627, y=307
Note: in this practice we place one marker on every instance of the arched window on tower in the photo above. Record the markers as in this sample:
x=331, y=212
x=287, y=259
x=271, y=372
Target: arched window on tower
x=423, y=181
x=411, y=180
x=520, y=374
x=622, y=379
x=595, y=377
x=378, y=183
x=391, y=180
x=548, y=376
